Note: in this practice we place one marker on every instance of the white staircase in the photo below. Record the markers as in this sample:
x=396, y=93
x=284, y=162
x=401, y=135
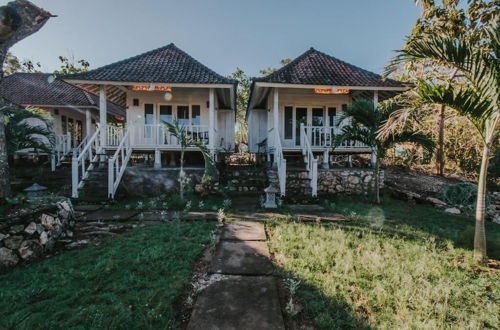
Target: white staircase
x=61, y=151
x=118, y=163
x=281, y=162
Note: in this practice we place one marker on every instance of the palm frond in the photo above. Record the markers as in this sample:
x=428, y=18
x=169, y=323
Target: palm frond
x=423, y=140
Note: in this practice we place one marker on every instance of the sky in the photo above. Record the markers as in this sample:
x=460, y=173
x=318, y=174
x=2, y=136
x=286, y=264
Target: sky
x=222, y=34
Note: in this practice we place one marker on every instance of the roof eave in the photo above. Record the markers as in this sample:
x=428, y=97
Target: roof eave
x=131, y=83
x=362, y=88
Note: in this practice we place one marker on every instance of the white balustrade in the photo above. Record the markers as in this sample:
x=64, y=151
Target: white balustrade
x=118, y=163
x=311, y=162
x=157, y=135
x=61, y=150
x=84, y=161
x=323, y=136
x=280, y=162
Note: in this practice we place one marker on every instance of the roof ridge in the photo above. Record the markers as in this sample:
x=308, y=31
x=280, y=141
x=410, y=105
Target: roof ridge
x=293, y=62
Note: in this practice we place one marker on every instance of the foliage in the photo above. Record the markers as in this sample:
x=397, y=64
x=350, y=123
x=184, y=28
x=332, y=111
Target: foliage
x=186, y=140
x=268, y=71
x=28, y=128
x=372, y=273
x=13, y=64
x=364, y=123
x=242, y=96
x=461, y=195
x=70, y=65
x=134, y=280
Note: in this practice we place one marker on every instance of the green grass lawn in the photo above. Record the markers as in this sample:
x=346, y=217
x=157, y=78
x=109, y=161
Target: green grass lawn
x=130, y=282
x=397, y=266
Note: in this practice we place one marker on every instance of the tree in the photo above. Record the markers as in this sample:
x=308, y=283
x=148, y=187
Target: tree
x=18, y=20
x=28, y=129
x=185, y=140
x=69, y=65
x=268, y=71
x=364, y=123
x=478, y=100
x=242, y=95
x=14, y=64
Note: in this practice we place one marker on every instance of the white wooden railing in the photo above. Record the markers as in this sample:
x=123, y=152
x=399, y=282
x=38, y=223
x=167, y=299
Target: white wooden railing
x=78, y=149
x=280, y=162
x=114, y=135
x=87, y=156
x=61, y=150
x=118, y=163
x=322, y=136
x=311, y=162
x=157, y=135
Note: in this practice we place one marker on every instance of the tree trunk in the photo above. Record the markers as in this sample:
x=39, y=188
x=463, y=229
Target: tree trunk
x=480, y=233
x=5, y=190
x=376, y=171
x=439, y=166
x=18, y=20
x=182, y=175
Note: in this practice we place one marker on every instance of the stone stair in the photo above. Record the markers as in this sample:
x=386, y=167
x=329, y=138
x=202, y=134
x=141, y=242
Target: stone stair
x=245, y=178
x=95, y=186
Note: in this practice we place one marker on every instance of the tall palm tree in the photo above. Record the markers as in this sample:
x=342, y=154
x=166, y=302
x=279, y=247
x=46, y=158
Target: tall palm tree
x=364, y=122
x=478, y=100
x=186, y=140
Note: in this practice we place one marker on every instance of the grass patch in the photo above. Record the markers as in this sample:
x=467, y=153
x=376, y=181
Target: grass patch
x=399, y=265
x=129, y=282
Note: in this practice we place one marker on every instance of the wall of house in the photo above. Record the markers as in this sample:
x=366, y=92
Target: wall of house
x=225, y=119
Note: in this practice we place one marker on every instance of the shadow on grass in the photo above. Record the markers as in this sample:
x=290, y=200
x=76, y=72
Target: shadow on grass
x=415, y=221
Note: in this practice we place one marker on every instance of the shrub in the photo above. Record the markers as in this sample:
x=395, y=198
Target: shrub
x=462, y=195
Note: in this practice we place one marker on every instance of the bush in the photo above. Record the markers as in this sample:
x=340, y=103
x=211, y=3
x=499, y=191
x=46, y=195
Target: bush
x=462, y=195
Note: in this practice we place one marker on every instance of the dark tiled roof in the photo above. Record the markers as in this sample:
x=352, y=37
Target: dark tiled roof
x=168, y=64
x=317, y=68
x=35, y=89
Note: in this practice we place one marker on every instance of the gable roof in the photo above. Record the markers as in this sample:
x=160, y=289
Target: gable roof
x=35, y=89
x=316, y=68
x=167, y=64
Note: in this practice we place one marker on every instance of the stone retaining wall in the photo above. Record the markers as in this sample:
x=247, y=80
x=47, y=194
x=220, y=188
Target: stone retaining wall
x=28, y=237
x=330, y=181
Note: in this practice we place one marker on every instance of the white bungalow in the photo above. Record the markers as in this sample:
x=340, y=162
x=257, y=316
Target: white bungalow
x=296, y=109
x=73, y=110
x=162, y=85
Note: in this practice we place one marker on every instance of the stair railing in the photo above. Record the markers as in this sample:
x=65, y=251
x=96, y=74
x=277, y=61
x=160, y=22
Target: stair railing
x=310, y=161
x=88, y=155
x=78, y=149
x=118, y=163
x=280, y=161
x=61, y=150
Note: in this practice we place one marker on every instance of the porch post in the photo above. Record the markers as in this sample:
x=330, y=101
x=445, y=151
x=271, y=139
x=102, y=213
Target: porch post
x=88, y=123
x=326, y=136
x=326, y=163
x=211, y=120
x=276, y=123
x=103, y=115
x=375, y=104
x=157, y=164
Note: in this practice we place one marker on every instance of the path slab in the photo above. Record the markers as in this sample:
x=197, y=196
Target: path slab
x=238, y=303
x=108, y=215
x=242, y=258
x=244, y=231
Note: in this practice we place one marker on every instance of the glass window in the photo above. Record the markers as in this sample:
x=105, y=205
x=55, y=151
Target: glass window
x=64, y=125
x=300, y=118
x=183, y=115
x=165, y=114
x=195, y=115
x=332, y=114
x=288, y=123
x=148, y=114
x=317, y=117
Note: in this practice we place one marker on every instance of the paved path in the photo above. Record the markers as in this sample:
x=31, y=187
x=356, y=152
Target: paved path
x=243, y=294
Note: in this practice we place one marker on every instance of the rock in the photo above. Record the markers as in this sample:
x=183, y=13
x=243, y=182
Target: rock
x=30, y=250
x=16, y=229
x=452, y=210
x=44, y=237
x=13, y=242
x=69, y=233
x=353, y=180
x=30, y=229
x=39, y=228
x=496, y=219
x=48, y=221
x=367, y=179
x=199, y=188
x=436, y=202
x=339, y=188
x=2, y=236
x=8, y=258
x=77, y=244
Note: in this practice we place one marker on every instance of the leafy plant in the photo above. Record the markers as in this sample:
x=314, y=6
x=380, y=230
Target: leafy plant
x=461, y=195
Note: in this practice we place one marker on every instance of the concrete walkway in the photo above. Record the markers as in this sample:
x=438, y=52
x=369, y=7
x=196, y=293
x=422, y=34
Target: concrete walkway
x=243, y=294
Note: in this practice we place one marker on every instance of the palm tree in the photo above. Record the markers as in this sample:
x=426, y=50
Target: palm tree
x=364, y=121
x=478, y=99
x=186, y=140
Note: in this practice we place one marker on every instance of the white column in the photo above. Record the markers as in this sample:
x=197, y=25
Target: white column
x=276, y=122
x=211, y=120
x=88, y=123
x=375, y=104
x=103, y=114
x=326, y=163
x=157, y=164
